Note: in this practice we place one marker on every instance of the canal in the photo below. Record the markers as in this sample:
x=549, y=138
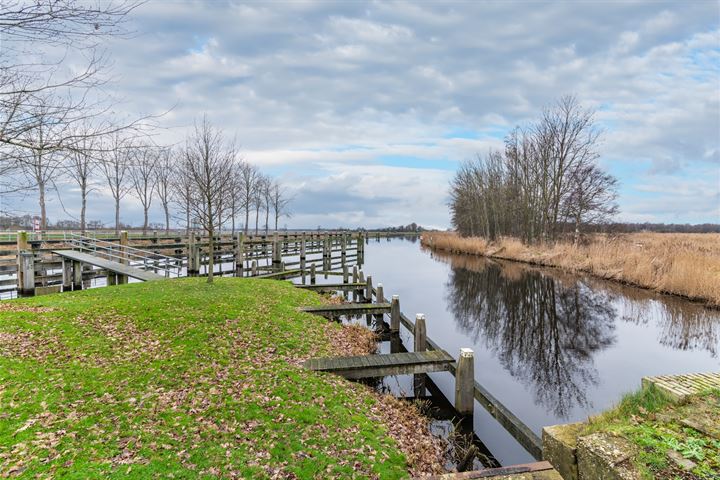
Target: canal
x=552, y=347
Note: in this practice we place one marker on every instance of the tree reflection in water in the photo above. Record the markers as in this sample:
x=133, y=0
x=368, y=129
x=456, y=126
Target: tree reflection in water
x=544, y=331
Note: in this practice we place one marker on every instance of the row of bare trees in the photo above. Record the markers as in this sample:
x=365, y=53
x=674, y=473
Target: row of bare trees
x=546, y=180
x=57, y=126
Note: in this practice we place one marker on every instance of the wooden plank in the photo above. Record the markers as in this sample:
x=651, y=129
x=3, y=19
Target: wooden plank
x=348, y=309
x=116, y=267
x=364, y=366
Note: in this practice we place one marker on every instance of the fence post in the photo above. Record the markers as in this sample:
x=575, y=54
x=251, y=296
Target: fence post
x=312, y=274
x=369, y=289
x=395, y=314
x=420, y=346
x=239, y=255
x=276, y=255
x=122, y=279
x=253, y=268
x=465, y=382
x=302, y=253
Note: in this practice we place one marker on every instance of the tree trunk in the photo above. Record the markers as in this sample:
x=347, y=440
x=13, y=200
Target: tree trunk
x=117, y=216
x=257, y=219
x=267, y=218
x=247, y=218
x=43, y=215
x=145, y=220
x=211, y=254
x=167, y=219
x=83, y=207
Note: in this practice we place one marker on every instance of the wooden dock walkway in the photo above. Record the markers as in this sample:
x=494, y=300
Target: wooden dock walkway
x=348, y=309
x=333, y=287
x=109, y=265
x=679, y=387
x=367, y=366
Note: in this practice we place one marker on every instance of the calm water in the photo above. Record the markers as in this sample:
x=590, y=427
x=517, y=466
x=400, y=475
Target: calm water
x=553, y=347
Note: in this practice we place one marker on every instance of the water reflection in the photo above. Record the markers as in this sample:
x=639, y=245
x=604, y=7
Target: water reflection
x=544, y=332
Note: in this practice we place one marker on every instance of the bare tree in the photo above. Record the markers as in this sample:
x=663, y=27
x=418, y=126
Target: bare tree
x=114, y=166
x=143, y=177
x=280, y=201
x=258, y=196
x=209, y=166
x=164, y=181
x=80, y=166
x=248, y=176
x=591, y=199
x=267, y=195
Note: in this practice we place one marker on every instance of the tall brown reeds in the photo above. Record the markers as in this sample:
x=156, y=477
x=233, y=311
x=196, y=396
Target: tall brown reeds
x=685, y=264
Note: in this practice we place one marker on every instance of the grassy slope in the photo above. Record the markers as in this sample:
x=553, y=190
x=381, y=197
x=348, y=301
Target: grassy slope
x=654, y=424
x=183, y=378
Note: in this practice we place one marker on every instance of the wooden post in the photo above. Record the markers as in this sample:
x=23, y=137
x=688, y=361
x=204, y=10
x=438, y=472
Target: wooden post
x=465, y=382
x=420, y=346
x=77, y=275
x=395, y=314
x=22, y=240
x=276, y=255
x=302, y=253
x=312, y=274
x=343, y=247
x=380, y=294
x=239, y=255
x=66, y=275
x=369, y=290
x=253, y=268
x=26, y=272
x=355, y=280
x=420, y=333
x=123, y=279
x=155, y=237
x=361, y=291
x=110, y=278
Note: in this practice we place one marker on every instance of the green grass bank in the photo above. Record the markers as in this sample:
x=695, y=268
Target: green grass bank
x=181, y=379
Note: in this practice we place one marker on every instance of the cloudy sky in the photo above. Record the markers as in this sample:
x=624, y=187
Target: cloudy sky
x=365, y=109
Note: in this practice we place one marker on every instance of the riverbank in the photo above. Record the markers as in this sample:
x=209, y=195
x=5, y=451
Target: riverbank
x=180, y=378
x=647, y=435
x=687, y=265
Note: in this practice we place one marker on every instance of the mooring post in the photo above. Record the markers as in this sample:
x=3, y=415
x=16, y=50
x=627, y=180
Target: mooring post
x=465, y=382
x=420, y=333
x=369, y=289
x=355, y=280
x=155, y=237
x=302, y=253
x=346, y=274
x=110, y=278
x=77, y=275
x=395, y=314
x=123, y=279
x=420, y=346
x=239, y=255
x=253, y=268
x=343, y=248
x=66, y=275
x=361, y=291
x=26, y=272
x=312, y=274
x=276, y=255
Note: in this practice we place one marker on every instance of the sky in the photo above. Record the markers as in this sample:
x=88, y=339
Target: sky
x=365, y=110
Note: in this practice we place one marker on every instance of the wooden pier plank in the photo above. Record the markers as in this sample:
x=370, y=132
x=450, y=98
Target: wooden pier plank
x=116, y=267
x=365, y=366
x=348, y=309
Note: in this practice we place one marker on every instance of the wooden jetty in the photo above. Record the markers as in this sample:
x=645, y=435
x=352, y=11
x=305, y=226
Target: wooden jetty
x=109, y=265
x=333, y=287
x=367, y=366
x=526, y=471
x=680, y=387
x=349, y=309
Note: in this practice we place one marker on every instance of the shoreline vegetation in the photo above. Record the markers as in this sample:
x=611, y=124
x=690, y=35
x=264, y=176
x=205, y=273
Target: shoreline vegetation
x=682, y=264
x=181, y=378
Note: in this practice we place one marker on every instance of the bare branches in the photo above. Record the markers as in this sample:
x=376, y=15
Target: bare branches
x=547, y=178
x=143, y=169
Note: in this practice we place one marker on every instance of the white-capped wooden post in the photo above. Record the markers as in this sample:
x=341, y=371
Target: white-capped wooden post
x=465, y=382
x=395, y=314
x=380, y=294
x=239, y=255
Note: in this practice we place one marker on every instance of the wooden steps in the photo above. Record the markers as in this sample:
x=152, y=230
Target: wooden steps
x=366, y=366
x=109, y=265
x=348, y=309
x=679, y=387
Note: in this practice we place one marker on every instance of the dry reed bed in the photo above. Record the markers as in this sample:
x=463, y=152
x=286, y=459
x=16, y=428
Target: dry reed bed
x=683, y=264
